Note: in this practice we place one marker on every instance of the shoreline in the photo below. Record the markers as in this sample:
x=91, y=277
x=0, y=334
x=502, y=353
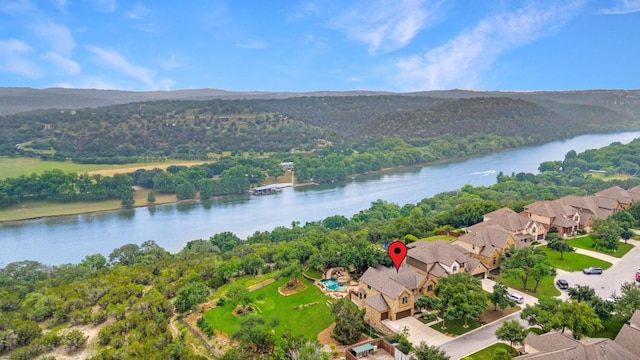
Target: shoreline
x=140, y=204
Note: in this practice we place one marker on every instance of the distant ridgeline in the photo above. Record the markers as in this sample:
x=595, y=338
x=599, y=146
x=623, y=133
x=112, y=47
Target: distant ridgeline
x=196, y=129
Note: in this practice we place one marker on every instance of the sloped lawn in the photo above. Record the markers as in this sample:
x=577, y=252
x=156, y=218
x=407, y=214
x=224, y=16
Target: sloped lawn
x=572, y=261
x=586, y=242
x=308, y=321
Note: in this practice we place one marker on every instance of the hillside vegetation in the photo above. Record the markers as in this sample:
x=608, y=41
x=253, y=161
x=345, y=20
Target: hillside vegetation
x=194, y=129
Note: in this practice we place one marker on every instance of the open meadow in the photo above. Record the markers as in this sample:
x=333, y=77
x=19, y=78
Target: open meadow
x=16, y=166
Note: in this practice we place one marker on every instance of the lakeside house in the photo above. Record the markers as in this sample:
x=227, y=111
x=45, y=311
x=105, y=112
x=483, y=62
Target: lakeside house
x=387, y=294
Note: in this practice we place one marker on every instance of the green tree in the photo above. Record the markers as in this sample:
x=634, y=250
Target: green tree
x=501, y=354
x=126, y=199
x=125, y=255
x=255, y=335
x=185, y=190
x=541, y=270
x=519, y=264
x=74, y=340
x=191, y=295
x=499, y=297
x=274, y=169
x=461, y=296
x=151, y=197
x=581, y=293
x=579, y=317
x=95, y=262
x=205, y=186
x=628, y=301
x=511, y=331
x=561, y=246
x=349, y=322
x=606, y=233
x=543, y=313
x=429, y=352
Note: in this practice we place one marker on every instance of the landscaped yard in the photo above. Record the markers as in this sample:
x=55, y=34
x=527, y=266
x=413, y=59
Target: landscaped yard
x=586, y=242
x=455, y=327
x=572, y=261
x=487, y=353
x=611, y=329
x=269, y=304
x=314, y=274
x=546, y=288
x=440, y=237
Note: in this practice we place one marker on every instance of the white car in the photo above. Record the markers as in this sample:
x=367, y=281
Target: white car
x=516, y=297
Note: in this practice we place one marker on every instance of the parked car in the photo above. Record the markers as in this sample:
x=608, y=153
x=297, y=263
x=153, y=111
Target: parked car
x=592, y=270
x=516, y=297
x=562, y=283
x=637, y=276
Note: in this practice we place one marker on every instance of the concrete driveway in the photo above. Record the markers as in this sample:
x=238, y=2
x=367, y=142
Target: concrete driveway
x=609, y=282
x=418, y=331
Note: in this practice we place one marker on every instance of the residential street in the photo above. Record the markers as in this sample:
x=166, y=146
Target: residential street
x=622, y=270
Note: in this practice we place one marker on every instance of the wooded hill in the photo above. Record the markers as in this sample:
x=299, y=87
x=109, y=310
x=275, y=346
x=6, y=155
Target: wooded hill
x=283, y=121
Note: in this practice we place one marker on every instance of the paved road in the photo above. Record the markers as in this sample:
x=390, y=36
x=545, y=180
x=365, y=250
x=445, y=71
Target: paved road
x=610, y=280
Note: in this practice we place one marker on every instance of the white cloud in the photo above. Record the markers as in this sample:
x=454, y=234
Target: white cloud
x=58, y=36
x=460, y=62
x=253, y=45
x=138, y=12
x=13, y=58
x=386, y=25
x=105, y=5
x=68, y=65
x=170, y=63
x=114, y=60
x=622, y=7
x=60, y=4
x=9, y=6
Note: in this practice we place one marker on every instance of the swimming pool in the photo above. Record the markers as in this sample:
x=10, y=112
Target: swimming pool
x=332, y=284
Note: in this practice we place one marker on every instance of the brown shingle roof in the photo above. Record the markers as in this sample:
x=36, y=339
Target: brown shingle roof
x=550, y=341
x=635, y=319
x=629, y=338
x=377, y=302
x=507, y=219
x=557, y=346
x=440, y=251
x=617, y=193
x=390, y=282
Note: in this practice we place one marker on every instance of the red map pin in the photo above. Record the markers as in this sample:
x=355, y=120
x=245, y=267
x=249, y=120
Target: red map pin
x=397, y=252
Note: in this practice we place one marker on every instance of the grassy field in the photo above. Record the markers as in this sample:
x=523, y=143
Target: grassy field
x=604, y=177
x=487, y=353
x=546, y=288
x=572, y=261
x=314, y=274
x=586, y=242
x=440, y=237
x=39, y=209
x=309, y=321
x=14, y=167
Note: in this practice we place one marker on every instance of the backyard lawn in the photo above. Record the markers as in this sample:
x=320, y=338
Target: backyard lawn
x=572, y=261
x=440, y=237
x=610, y=331
x=269, y=304
x=586, y=242
x=487, y=353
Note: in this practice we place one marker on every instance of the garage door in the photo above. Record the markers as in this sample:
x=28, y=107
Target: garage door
x=403, y=314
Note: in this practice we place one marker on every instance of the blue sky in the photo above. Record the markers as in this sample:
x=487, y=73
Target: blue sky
x=287, y=45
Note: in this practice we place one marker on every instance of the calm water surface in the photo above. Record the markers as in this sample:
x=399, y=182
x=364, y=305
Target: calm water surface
x=69, y=239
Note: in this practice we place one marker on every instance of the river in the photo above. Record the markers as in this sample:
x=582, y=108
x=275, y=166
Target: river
x=69, y=239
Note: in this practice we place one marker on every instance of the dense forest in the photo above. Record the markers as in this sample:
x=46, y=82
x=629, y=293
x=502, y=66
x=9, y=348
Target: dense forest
x=132, y=297
x=189, y=129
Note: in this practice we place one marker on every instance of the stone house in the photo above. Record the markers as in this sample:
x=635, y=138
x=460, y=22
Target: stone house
x=552, y=213
x=488, y=243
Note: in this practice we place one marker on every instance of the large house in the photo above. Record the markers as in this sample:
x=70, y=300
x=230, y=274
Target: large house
x=591, y=208
x=558, y=346
x=385, y=293
x=552, y=213
x=625, y=198
x=488, y=243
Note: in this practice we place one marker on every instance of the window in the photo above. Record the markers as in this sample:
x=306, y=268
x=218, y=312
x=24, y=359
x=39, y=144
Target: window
x=455, y=268
x=473, y=246
x=369, y=287
x=430, y=288
x=405, y=300
x=534, y=229
x=494, y=260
